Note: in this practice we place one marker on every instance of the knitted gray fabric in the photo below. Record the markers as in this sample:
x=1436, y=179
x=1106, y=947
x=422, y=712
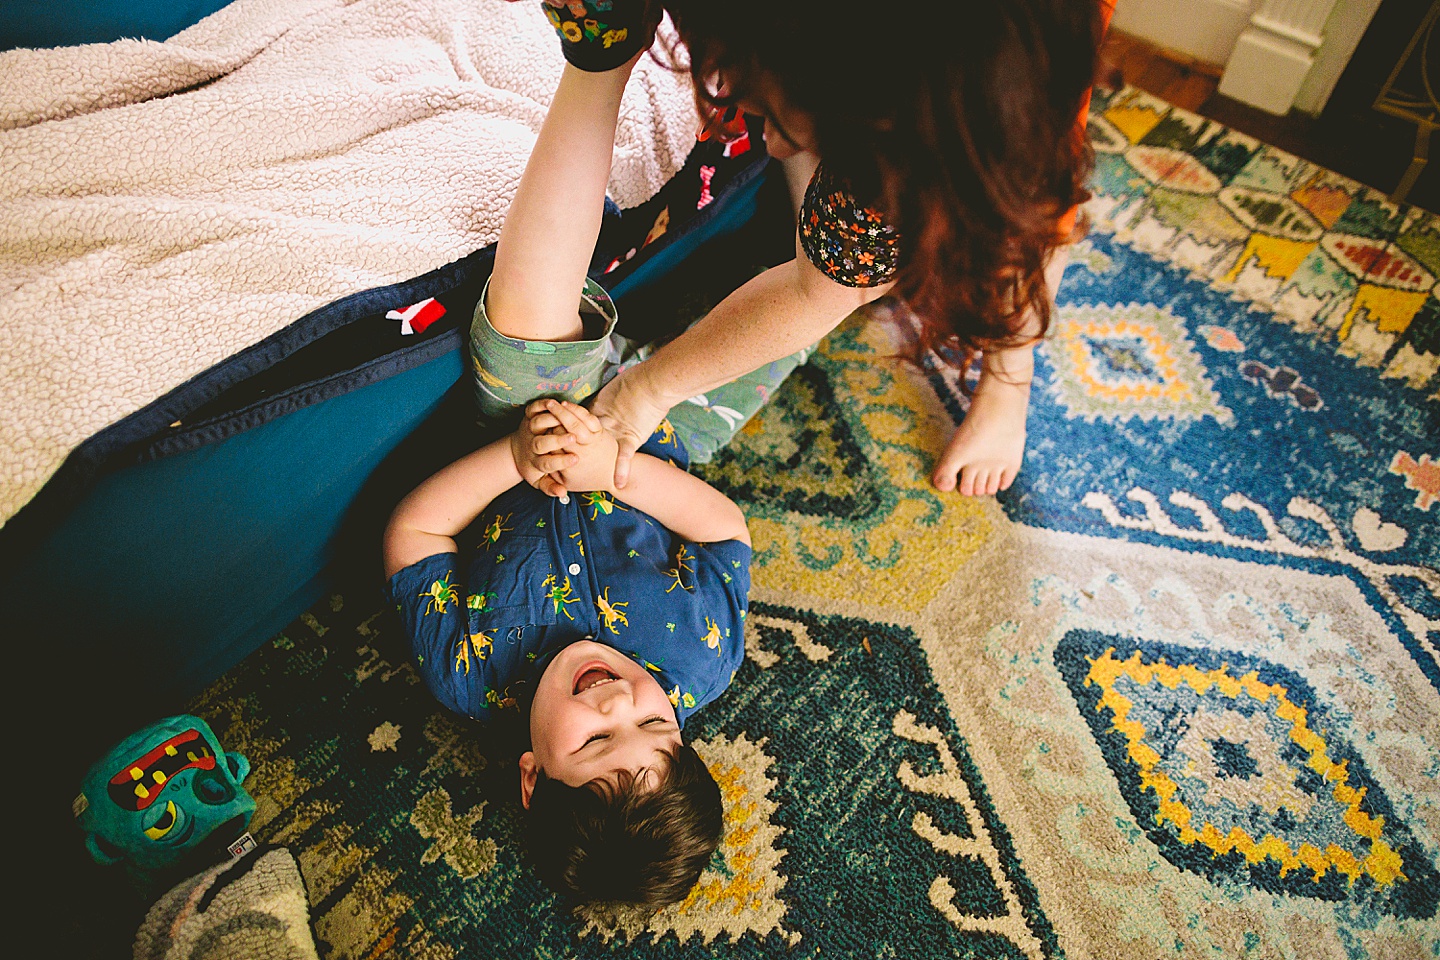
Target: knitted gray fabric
x=253, y=908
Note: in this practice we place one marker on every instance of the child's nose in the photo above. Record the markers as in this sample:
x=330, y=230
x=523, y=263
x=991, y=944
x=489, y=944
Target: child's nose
x=617, y=693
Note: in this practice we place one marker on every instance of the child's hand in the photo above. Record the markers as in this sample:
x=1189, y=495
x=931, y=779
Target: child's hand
x=528, y=461
x=563, y=418
x=540, y=448
x=557, y=437
x=592, y=454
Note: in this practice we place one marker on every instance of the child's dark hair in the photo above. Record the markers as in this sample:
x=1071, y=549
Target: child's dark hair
x=624, y=841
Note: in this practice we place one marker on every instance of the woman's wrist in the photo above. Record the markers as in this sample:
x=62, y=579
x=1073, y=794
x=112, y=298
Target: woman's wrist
x=648, y=381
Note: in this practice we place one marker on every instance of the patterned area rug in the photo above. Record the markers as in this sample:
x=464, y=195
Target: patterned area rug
x=1177, y=694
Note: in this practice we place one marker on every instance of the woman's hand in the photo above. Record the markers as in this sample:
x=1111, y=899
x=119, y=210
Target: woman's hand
x=629, y=411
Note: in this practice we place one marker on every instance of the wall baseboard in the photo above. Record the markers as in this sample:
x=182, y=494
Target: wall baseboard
x=1266, y=70
x=1203, y=30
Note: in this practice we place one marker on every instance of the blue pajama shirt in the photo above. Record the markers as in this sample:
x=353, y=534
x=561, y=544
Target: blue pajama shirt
x=541, y=575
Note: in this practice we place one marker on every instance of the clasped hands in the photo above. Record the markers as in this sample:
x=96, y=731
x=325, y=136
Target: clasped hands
x=560, y=446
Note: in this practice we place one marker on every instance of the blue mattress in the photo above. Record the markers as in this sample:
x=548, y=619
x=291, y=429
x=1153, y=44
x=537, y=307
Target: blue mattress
x=63, y=23
x=178, y=540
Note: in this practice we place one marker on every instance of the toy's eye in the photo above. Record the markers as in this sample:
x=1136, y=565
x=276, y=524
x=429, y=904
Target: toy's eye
x=164, y=824
x=212, y=788
x=211, y=791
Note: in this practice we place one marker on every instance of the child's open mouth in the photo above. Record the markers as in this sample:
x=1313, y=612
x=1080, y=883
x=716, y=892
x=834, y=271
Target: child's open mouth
x=593, y=675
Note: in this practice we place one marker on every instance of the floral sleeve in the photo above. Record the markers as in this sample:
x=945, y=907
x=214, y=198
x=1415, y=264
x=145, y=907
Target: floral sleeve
x=849, y=242
x=597, y=35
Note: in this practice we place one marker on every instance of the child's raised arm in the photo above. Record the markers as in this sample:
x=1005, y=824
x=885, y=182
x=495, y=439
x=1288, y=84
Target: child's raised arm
x=682, y=502
x=427, y=521
x=550, y=229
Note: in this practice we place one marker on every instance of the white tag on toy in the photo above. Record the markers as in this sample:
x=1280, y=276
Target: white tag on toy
x=240, y=847
x=80, y=804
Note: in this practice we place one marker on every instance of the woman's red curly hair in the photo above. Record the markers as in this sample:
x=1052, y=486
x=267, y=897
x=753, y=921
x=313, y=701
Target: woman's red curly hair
x=958, y=120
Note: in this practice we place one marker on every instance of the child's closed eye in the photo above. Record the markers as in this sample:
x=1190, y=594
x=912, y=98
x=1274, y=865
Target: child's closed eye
x=605, y=736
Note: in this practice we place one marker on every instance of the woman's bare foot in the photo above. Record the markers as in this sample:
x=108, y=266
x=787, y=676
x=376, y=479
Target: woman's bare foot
x=984, y=454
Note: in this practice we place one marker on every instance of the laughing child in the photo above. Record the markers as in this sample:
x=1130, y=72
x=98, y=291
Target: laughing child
x=608, y=615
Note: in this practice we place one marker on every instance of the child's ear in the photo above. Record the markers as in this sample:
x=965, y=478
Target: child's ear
x=529, y=773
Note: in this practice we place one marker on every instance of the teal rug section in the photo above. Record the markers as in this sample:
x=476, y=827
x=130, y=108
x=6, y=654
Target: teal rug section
x=1252, y=754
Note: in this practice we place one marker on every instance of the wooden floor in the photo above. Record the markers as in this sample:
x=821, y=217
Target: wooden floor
x=1360, y=144
x=1169, y=76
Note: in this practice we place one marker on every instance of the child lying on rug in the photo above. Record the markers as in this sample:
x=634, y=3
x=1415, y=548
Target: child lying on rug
x=612, y=615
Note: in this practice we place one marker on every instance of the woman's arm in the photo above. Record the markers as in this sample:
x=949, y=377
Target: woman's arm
x=775, y=314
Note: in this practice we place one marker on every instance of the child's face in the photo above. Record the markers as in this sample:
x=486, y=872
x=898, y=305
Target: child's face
x=596, y=712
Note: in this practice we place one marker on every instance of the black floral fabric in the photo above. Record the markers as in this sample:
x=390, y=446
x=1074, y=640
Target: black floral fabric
x=598, y=35
x=847, y=241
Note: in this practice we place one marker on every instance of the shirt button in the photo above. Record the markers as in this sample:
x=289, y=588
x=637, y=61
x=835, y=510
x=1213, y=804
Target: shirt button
x=574, y=569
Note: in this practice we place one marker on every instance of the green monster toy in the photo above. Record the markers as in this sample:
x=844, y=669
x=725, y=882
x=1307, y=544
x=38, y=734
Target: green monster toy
x=162, y=794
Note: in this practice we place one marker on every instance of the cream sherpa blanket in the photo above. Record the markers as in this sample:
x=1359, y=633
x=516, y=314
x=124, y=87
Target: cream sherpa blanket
x=164, y=205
